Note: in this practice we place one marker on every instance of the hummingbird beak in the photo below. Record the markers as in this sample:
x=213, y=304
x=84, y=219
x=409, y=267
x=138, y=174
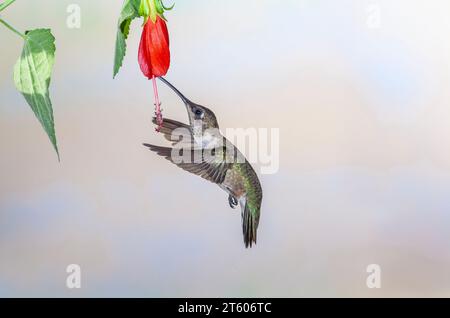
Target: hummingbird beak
x=185, y=100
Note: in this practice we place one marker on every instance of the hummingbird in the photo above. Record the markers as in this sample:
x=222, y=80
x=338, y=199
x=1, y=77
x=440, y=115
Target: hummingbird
x=200, y=148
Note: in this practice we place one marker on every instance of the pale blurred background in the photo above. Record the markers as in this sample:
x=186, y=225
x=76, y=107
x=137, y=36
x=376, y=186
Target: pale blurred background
x=363, y=105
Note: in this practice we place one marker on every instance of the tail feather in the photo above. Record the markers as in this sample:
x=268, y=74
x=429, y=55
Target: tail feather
x=249, y=226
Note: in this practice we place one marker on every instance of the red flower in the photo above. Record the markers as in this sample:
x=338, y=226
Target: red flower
x=154, y=53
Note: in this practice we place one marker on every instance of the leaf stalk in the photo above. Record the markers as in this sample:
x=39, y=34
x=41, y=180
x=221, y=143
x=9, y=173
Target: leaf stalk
x=6, y=4
x=6, y=24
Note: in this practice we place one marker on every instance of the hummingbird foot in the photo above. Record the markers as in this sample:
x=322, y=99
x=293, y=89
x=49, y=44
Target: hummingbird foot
x=232, y=201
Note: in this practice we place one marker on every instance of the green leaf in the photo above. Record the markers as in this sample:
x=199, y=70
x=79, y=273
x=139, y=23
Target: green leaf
x=130, y=11
x=32, y=74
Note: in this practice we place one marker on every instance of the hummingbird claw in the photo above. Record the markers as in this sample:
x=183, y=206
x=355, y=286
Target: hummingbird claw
x=232, y=201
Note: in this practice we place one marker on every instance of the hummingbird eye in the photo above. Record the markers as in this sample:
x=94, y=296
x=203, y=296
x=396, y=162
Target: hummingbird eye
x=199, y=113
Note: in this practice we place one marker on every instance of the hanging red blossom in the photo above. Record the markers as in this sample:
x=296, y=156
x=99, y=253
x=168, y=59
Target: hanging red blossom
x=154, y=52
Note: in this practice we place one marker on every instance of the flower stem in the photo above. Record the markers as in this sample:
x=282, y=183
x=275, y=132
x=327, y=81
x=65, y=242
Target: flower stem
x=12, y=29
x=159, y=118
x=6, y=4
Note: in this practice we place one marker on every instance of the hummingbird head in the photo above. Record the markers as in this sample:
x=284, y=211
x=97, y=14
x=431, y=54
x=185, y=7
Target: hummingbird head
x=198, y=114
x=201, y=115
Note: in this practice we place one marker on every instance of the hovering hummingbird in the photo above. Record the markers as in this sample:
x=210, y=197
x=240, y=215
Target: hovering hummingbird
x=201, y=149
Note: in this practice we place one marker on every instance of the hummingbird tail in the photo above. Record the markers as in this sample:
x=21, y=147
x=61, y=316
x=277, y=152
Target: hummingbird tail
x=249, y=226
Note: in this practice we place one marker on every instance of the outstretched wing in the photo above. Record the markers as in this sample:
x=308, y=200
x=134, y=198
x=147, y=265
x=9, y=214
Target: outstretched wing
x=175, y=132
x=212, y=168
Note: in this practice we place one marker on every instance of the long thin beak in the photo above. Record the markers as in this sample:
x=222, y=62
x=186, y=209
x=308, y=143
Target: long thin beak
x=186, y=101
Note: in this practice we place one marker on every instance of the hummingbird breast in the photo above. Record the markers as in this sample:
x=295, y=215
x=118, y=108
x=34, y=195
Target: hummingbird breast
x=234, y=183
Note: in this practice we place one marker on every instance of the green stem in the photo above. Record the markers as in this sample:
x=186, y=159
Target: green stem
x=6, y=4
x=12, y=29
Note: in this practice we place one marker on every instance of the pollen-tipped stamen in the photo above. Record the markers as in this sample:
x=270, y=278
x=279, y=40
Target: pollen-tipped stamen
x=158, y=113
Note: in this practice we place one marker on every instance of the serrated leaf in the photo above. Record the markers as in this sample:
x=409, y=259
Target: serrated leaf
x=130, y=11
x=32, y=74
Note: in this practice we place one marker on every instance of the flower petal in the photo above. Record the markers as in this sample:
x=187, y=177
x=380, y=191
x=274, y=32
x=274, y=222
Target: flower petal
x=154, y=52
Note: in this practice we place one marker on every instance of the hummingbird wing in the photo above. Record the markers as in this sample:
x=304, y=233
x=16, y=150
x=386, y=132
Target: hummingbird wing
x=174, y=131
x=213, y=169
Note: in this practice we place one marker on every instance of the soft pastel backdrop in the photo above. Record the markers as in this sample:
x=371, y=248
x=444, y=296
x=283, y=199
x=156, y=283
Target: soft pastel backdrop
x=364, y=177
